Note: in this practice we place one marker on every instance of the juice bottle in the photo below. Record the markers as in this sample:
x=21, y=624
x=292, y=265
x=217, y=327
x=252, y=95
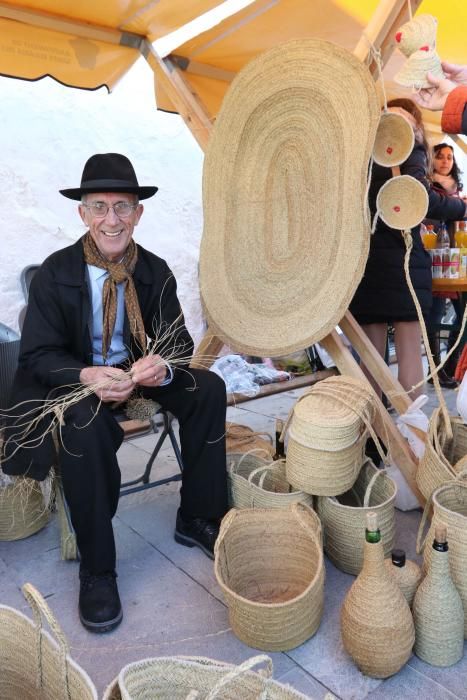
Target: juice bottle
x=459, y=236
x=429, y=238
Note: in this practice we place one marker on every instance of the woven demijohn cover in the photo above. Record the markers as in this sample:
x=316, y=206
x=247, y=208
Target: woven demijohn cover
x=402, y=202
x=394, y=140
x=269, y=564
x=344, y=519
x=274, y=207
x=376, y=622
x=183, y=678
x=33, y=665
x=407, y=577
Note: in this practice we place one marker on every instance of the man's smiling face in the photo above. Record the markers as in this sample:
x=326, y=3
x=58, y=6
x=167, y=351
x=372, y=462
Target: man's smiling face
x=111, y=233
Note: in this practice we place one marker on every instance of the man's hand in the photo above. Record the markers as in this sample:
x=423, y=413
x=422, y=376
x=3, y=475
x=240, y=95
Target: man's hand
x=435, y=97
x=149, y=371
x=454, y=72
x=113, y=384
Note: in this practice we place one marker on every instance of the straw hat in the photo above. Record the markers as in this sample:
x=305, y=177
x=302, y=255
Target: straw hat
x=285, y=238
x=417, y=33
x=402, y=202
x=413, y=72
x=394, y=140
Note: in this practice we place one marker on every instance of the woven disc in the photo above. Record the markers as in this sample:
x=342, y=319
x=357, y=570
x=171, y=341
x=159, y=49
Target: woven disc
x=285, y=239
x=402, y=202
x=394, y=140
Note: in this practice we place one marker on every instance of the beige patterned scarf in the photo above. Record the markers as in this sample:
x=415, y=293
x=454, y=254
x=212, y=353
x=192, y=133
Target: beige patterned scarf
x=118, y=272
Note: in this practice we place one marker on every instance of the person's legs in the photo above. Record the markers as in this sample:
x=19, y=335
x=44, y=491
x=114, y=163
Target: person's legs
x=407, y=339
x=90, y=474
x=377, y=333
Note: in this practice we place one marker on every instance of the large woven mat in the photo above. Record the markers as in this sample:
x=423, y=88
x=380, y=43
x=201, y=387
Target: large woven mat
x=285, y=236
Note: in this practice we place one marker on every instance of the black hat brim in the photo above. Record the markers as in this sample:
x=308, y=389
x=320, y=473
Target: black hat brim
x=76, y=193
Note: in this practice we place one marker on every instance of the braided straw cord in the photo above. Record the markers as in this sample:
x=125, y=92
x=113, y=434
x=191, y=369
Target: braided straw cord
x=269, y=564
x=438, y=615
x=376, y=623
x=197, y=678
x=256, y=483
x=22, y=509
x=449, y=508
x=407, y=577
x=344, y=525
x=33, y=665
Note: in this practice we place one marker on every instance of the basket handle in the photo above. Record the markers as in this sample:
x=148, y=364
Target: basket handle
x=41, y=610
x=263, y=470
x=240, y=670
x=420, y=546
x=299, y=510
x=369, y=488
x=234, y=467
x=227, y=521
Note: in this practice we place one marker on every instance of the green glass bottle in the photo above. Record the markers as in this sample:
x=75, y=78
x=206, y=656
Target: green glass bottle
x=372, y=532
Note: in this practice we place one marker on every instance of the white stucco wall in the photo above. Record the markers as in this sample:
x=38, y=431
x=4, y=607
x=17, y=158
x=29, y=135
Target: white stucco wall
x=47, y=133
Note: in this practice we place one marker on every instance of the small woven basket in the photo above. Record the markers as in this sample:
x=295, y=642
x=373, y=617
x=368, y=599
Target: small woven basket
x=196, y=678
x=22, y=509
x=450, y=509
x=254, y=482
x=344, y=519
x=443, y=459
x=413, y=72
x=323, y=473
x=394, y=140
x=269, y=564
x=241, y=438
x=402, y=202
x=33, y=666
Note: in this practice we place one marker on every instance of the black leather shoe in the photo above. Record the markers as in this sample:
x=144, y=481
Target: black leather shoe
x=445, y=380
x=100, y=609
x=197, y=532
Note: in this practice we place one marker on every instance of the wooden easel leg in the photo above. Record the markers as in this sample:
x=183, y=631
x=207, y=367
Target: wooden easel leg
x=384, y=425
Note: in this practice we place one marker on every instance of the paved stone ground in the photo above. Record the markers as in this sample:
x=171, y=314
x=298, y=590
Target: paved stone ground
x=173, y=605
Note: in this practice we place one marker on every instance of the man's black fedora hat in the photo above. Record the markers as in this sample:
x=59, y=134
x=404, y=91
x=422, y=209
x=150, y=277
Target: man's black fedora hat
x=109, y=172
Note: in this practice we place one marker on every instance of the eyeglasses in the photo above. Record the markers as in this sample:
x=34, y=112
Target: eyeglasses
x=100, y=209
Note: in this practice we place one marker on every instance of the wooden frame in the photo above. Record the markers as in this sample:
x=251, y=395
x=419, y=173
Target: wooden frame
x=389, y=15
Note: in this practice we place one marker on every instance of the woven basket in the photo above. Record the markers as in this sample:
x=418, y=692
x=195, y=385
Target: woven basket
x=443, y=459
x=33, y=666
x=241, y=438
x=394, y=140
x=258, y=483
x=323, y=473
x=22, y=509
x=413, y=72
x=193, y=678
x=269, y=564
x=402, y=202
x=418, y=31
x=450, y=509
x=344, y=520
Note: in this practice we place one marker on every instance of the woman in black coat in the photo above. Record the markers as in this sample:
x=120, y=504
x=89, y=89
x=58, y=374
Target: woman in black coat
x=383, y=296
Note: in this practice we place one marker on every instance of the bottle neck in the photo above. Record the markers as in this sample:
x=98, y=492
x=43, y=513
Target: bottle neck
x=372, y=536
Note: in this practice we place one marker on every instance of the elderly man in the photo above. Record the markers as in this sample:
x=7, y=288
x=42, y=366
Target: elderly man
x=92, y=308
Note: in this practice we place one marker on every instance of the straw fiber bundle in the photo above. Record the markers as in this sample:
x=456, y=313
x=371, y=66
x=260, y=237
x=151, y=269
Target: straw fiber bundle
x=394, y=140
x=376, y=622
x=402, y=202
x=443, y=459
x=450, y=509
x=257, y=483
x=33, y=666
x=22, y=509
x=265, y=226
x=241, y=438
x=197, y=678
x=344, y=519
x=269, y=564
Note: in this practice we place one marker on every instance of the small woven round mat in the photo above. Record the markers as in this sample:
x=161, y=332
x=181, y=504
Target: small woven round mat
x=394, y=140
x=285, y=238
x=402, y=202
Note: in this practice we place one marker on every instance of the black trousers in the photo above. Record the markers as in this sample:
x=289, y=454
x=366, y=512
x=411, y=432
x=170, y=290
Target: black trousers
x=91, y=476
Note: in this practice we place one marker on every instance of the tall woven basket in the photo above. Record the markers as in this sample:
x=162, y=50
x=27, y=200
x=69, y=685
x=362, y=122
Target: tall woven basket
x=193, y=678
x=450, y=509
x=269, y=564
x=443, y=458
x=344, y=518
x=33, y=665
x=22, y=509
x=254, y=482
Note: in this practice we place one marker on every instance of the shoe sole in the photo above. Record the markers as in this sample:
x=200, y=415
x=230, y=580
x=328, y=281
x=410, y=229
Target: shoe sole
x=101, y=627
x=190, y=542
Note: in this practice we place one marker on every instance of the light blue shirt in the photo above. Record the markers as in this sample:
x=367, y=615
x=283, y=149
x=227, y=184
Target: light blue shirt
x=117, y=352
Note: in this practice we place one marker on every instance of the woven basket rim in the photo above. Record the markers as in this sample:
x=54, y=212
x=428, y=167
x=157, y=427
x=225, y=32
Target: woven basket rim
x=445, y=487
x=336, y=504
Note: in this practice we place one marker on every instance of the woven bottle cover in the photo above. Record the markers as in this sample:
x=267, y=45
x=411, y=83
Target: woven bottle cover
x=394, y=140
x=407, y=577
x=265, y=226
x=418, y=33
x=376, y=623
x=438, y=612
x=402, y=202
